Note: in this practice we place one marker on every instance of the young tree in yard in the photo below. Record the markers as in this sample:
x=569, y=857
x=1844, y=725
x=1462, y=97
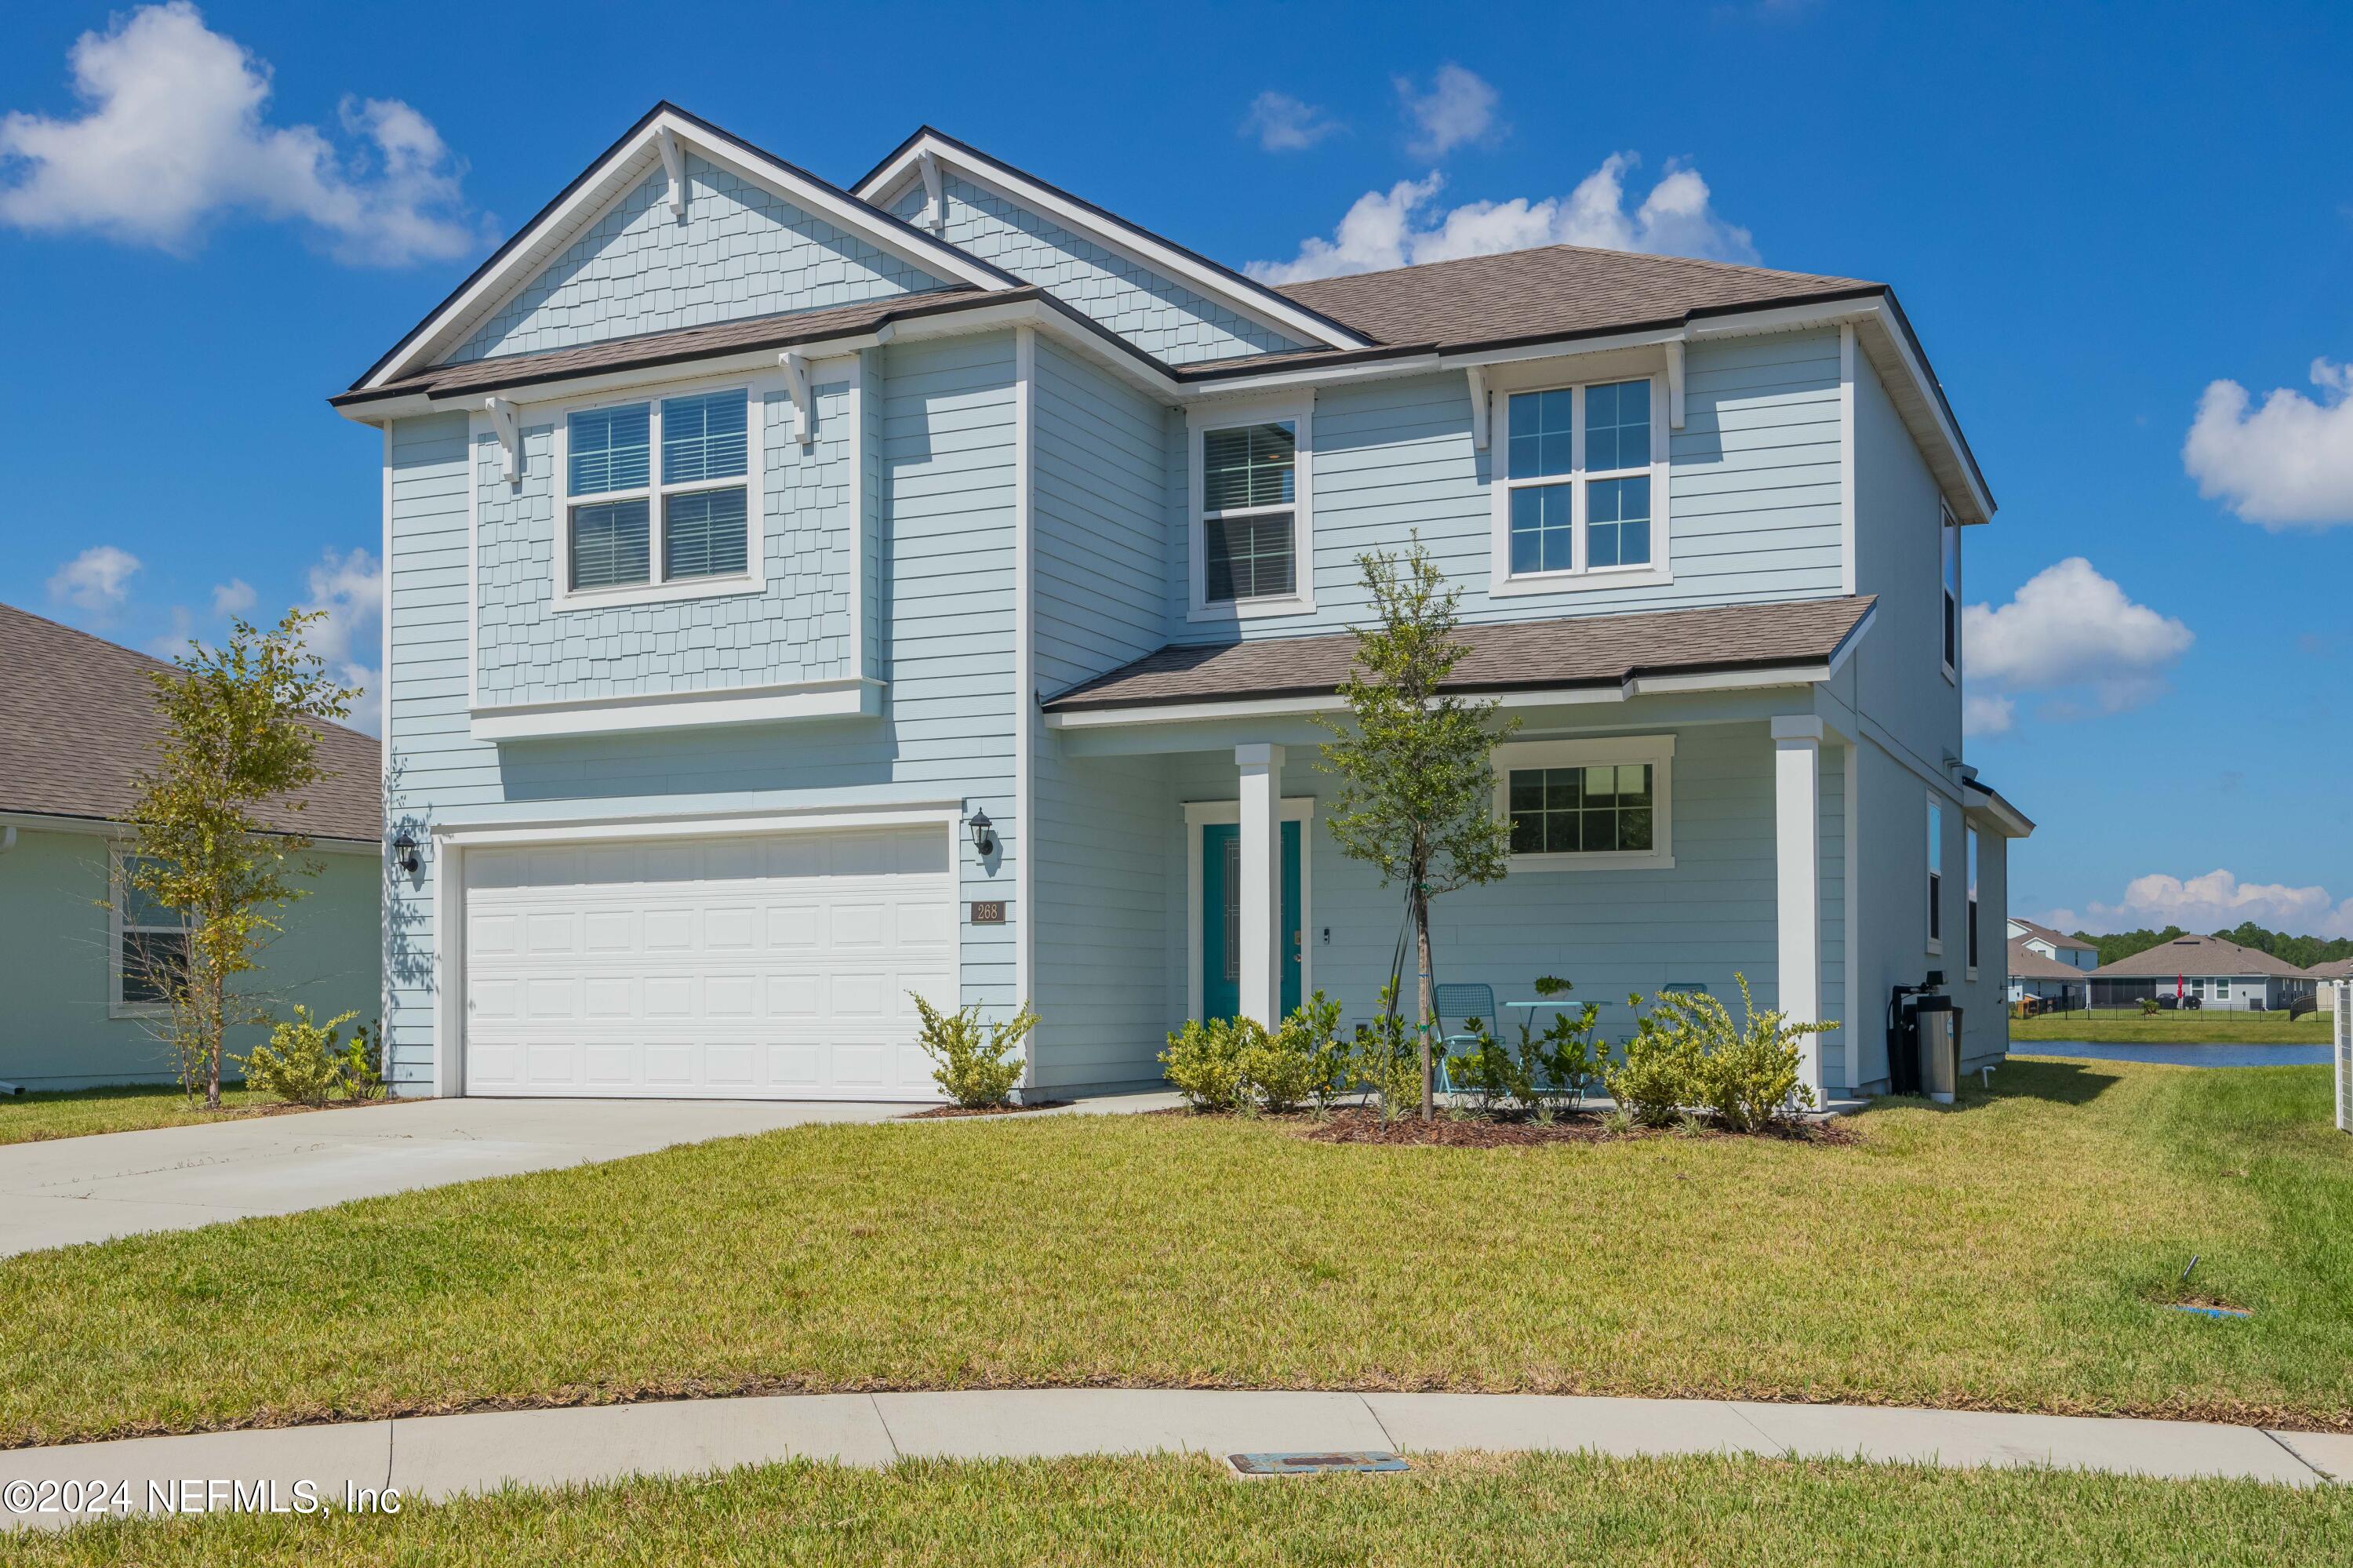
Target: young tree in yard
x=235, y=740
x=1418, y=786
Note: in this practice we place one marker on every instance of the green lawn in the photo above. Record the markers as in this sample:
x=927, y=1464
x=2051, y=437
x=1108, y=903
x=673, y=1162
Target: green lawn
x=69, y=1113
x=2008, y=1252
x=1528, y=1510
x=2105, y=1027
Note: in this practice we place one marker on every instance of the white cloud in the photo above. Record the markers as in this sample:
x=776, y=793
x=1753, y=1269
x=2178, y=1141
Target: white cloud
x=2288, y=463
x=2219, y=900
x=1285, y=125
x=173, y=134
x=2069, y=632
x=235, y=597
x=1459, y=107
x=1396, y=229
x=96, y=581
x=350, y=588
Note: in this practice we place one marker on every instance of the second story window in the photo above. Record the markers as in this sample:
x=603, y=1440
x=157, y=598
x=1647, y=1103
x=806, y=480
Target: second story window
x=1250, y=507
x=1950, y=543
x=1582, y=472
x=658, y=492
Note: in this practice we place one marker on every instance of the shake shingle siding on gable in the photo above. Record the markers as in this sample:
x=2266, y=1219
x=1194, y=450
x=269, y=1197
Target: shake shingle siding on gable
x=797, y=628
x=1163, y=318
x=739, y=251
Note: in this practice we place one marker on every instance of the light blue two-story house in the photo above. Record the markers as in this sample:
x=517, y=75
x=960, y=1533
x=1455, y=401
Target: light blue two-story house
x=802, y=596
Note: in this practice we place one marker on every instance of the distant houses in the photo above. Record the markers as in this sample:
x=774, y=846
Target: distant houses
x=2049, y=965
x=2217, y=971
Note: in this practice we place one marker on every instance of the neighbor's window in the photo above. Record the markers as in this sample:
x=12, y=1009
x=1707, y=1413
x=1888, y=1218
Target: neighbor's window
x=1951, y=531
x=1577, y=460
x=1582, y=810
x=1936, y=875
x=1249, y=496
x=660, y=484
x=150, y=944
x=1970, y=837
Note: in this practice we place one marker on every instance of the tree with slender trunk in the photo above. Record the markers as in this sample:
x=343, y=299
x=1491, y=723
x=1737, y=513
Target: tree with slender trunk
x=212, y=826
x=1415, y=762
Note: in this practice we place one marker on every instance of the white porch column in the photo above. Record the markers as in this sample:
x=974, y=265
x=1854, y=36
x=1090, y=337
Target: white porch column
x=1796, y=877
x=1261, y=882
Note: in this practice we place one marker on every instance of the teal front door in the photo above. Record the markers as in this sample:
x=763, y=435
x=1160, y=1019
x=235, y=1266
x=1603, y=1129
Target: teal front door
x=1221, y=920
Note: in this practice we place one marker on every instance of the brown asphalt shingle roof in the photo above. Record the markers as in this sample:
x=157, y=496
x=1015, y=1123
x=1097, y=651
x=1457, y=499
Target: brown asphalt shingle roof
x=2334, y=969
x=1555, y=290
x=78, y=724
x=1526, y=656
x=2056, y=939
x=2025, y=963
x=2207, y=955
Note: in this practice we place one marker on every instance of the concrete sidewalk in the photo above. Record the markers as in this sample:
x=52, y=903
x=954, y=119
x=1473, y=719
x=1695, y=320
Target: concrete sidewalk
x=62, y=1191
x=442, y=1456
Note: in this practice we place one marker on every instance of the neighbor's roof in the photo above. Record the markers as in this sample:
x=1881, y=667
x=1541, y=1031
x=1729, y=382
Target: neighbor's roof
x=2201, y=955
x=1526, y=656
x=2056, y=939
x=78, y=724
x=2335, y=969
x=2025, y=963
x=1555, y=290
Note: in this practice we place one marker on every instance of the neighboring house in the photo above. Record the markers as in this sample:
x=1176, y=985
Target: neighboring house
x=2034, y=972
x=2072, y=951
x=2216, y=970
x=801, y=596
x=78, y=724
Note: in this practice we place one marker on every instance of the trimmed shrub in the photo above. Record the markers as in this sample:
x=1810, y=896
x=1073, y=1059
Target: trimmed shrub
x=1688, y=1052
x=1210, y=1061
x=979, y=1065
x=1658, y=1074
x=301, y=1064
x=1302, y=1062
x=1383, y=1058
x=362, y=1064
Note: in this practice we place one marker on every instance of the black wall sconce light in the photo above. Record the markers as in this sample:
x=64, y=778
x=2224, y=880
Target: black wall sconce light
x=404, y=852
x=984, y=834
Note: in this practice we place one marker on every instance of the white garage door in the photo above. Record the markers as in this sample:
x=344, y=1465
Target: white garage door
x=772, y=967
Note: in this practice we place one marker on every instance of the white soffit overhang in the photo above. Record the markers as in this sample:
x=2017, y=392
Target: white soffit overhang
x=1255, y=301
x=612, y=176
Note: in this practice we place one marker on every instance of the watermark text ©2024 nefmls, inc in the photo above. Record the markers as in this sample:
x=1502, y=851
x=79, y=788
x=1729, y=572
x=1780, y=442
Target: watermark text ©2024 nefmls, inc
x=190, y=1494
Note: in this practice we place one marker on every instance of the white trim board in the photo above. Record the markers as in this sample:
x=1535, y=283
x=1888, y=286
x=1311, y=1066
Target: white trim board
x=1253, y=301
x=848, y=696
x=1299, y=809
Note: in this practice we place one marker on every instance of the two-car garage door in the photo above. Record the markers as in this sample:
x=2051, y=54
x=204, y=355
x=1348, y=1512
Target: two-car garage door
x=774, y=966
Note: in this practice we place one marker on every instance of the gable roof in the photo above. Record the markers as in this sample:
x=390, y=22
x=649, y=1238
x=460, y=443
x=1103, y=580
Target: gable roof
x=1242, y=294
x=618, y=169
x=1506, y=656
x=2201, y=955
x=2335, y=969
x=2025, y=963
x=78, y=723
x=2056, y=939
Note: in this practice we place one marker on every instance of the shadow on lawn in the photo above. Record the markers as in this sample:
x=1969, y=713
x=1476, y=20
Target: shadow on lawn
x=2061, y=1082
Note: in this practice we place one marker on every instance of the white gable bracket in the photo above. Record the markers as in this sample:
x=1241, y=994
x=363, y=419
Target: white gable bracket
x=935, y=215
x=502, y=419
x=1478, y=407
x=674, y=167
x=1674, y=383
x=796, y=382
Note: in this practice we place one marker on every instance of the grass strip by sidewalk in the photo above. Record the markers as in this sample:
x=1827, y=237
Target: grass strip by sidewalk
x=1524, y=1510
x=73, y=1113
x=2007, y=1252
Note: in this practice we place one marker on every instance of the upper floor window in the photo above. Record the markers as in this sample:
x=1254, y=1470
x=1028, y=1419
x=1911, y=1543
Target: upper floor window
x=1250, y=507
x=658, y=493
x=1951, y=546
x=1583, y=487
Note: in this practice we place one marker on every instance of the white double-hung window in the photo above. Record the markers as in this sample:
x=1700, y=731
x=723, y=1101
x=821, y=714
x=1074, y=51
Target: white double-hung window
x=1582, y=499
x=1251, y=509
x=1587, y=803
x=660, y=498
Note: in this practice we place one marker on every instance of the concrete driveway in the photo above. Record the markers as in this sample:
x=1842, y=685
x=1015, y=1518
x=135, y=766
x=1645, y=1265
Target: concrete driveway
x=69, y=1190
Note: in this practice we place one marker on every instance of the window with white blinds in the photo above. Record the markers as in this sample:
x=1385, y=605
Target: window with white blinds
x=658, y=492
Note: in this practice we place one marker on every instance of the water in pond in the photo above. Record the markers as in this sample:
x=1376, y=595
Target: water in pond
x=2177, y=1055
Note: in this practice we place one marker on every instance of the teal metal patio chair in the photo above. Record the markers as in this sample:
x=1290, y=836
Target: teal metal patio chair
x=1465, y=1005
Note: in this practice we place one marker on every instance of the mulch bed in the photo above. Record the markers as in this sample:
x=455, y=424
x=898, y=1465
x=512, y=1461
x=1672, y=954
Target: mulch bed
x=1357, y=1123
x=937, y=1112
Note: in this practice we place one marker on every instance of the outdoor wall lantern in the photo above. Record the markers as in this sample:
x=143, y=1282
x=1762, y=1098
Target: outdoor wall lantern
x=404, y=852
x=984, y=834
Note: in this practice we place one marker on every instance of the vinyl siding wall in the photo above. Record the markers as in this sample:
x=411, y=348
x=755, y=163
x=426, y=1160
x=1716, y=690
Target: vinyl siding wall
x=1753, y=485
x=738, y=251
x=943, y=412
x=1157, y=315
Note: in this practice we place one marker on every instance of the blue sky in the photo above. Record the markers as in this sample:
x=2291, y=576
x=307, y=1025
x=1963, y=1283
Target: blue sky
x=2095, y=215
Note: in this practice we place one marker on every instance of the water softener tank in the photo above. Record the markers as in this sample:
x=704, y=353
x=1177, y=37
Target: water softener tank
x=1937, y=1024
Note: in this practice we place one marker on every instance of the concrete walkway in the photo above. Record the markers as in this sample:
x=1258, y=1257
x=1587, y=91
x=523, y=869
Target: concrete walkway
x=67, y=1190
x=441, y=1456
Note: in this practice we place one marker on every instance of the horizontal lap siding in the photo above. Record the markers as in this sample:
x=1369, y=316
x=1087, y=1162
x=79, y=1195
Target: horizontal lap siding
x=1099, y=474
x=1754, y=492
